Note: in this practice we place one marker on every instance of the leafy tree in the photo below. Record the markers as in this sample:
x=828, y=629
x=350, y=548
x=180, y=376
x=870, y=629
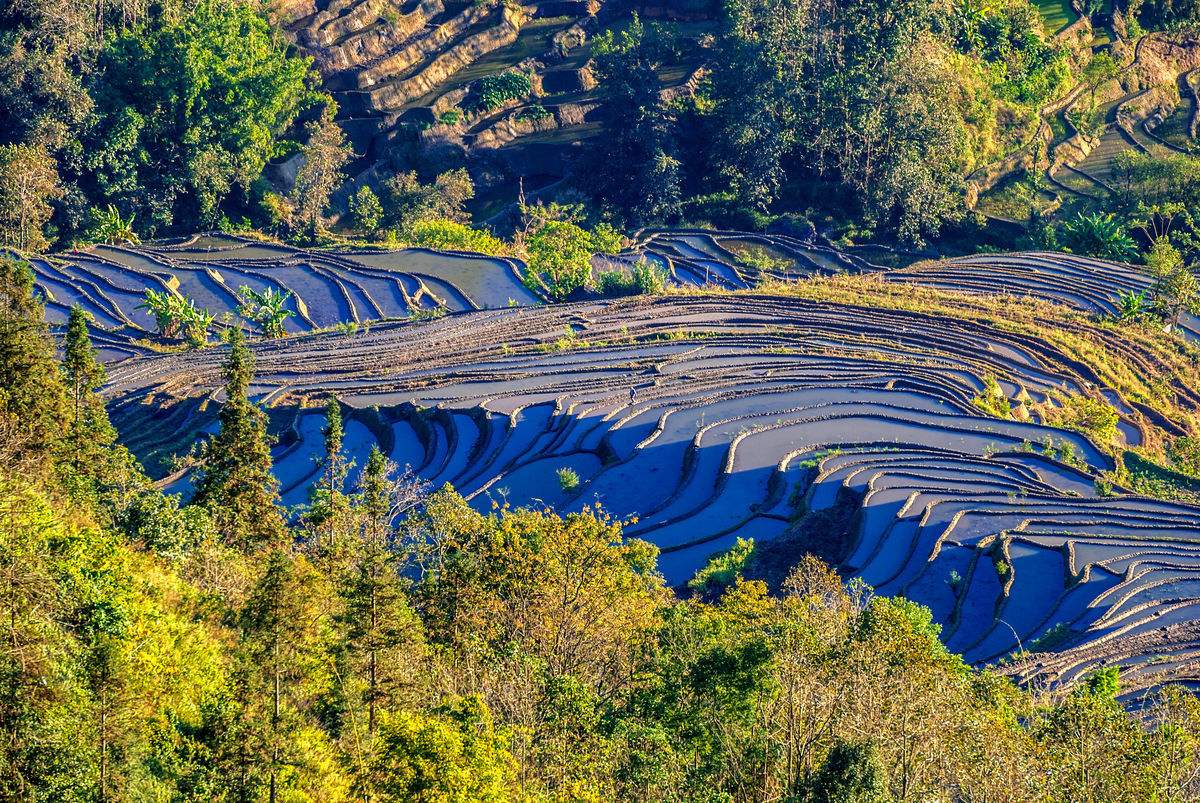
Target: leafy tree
x=453, y=754
x=328, y=506
x=234, y=482
x=366, y=211
x=634, y=168
x=560, y=256
x=283, y=623
x=325, y=154
x=408, y=203
x=850, y=773
x=854, y=89
x=28, y=182
x=188, y=109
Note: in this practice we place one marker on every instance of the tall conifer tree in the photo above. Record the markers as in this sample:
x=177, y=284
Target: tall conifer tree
x=235, y=483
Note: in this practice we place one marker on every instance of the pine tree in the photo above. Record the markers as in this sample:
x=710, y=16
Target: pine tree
x=33, y=409
x=281, y=638
x=382, y=630
x=90, y=431
x=235, y=483
x=329, y=506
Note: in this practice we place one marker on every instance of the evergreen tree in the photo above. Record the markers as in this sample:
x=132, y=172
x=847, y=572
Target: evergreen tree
x=90, y=431
x=329, y=507
x=281, y=638
x=381, y=628
x=33, y=409
x=235, y=483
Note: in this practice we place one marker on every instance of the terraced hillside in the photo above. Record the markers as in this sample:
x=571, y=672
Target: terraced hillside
x=800, y=420
x=505, y=88
x=326, y=288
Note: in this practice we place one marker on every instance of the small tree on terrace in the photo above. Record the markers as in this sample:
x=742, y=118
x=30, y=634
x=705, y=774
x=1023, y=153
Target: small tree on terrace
x=235, y=483
x=560, y=253
x=366, y=210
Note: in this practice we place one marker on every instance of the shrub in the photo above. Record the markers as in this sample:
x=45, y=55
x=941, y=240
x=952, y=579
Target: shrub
x=723, y=568
x=993, y=401
x=559, y=254
x=493, y=91
x=642, y=279
x=534, y=112
x=568, y=479
x=446, y=235
x=366, y=210
x=1093, y=417
x=450, y=117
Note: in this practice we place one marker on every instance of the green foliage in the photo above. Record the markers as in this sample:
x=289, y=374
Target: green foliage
x=721, y=569
x=1132, y=306
x=559, y=255
x=641, y=279
x=452, y=754
x=1097, y=234
x=1093, y=417
x=234, y=482
x=864, y=96
x=850, y=773
x=366, y=211
x=446, y=235
x=635, y=169
x=33, y=402
x=493, y=91
x=568, y=479
x=175, y=315
x=407, y=201
x=188, y=109
x=108, y=226
x=267, y=308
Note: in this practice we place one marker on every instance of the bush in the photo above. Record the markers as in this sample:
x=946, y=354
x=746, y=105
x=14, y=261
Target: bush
x=366, y=210
x=493, y=91
x=446, y=235
x=723, y=568
x=1093, y=417
x=568, y=479
x=642, y=279
x=560, y=258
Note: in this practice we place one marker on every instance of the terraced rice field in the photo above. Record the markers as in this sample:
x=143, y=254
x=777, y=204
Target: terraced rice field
x=709, y=417
x=326, y=288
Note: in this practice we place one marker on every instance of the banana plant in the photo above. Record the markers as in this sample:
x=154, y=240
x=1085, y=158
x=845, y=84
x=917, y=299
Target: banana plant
x=109, y=227
x=268, y=309
x=1133, y=306
x=198, y=323
x=168, y=310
